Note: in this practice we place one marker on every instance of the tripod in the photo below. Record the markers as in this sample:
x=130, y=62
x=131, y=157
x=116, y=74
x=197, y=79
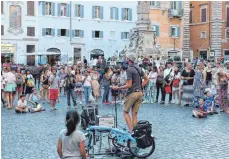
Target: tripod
x=116, y=111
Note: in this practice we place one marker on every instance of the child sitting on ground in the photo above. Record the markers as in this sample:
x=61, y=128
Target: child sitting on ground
x=201, y=111
x=22, y=105
x=209, y=102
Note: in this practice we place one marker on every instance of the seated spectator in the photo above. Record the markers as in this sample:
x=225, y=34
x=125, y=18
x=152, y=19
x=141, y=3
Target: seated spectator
x=209, y=102
x=22, y=105
x=201, y=111
x=35, y=99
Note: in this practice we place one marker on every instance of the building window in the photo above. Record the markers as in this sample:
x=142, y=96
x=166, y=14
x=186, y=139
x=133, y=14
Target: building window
x=97, y=12
x=203, y=35
x=124, y=35
x=30, y=31
x=2, y=29
x=30, y=48
x=227, y=17
x=174, y=31
x=48, y=31
x=97, y=34
x=203, y=14
x=2, y=7
x=154, y=3
x=227, y=34
x=48, y=8
x=63, y=9
x=127, y=14
x=112, y=34
x=174, y=5
x=78, y=33
x=63, y=32
x=190, y=16
x=79, y=10
x=30, y=8
x=114, y=13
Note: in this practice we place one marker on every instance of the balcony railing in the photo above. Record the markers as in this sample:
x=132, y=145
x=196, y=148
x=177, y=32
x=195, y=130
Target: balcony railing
x=175, y=13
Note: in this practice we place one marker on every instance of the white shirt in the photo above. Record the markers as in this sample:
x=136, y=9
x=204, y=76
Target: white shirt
x=10, y=77
x=87, y=82
x=20, y=103
x=167, y=71
x=153, y=76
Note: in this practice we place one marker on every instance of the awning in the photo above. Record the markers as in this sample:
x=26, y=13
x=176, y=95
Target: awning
x=41, y=53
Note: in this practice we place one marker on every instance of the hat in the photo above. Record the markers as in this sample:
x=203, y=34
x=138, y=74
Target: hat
x=207, y=90
x=131, y=57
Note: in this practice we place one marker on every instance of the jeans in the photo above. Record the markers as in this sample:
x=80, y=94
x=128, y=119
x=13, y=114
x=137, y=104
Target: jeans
x=70, y=92
x=159, y=86
x=87, y=91
x=106, y=93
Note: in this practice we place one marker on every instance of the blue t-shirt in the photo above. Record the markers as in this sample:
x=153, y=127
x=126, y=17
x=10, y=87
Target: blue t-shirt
x=208, y=101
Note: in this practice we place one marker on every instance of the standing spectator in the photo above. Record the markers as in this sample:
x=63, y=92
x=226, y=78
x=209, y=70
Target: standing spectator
x=45, y=85
x=208, y=75
x=159, y=83
x=123, y=79
x=114, y=82
x=176, y=84
x=54, y=82
x=198, y=85
x=69, y=88
x=71, y=141
x=152, y=83
x=29, y=83
x=10, y=86
x=95, y=85
x=78, y=85
x=85, y=62
x=187, y=76
x=106, y=85
x=168, y=77
x=19, y=81
x=87, y=86
x=62, y=75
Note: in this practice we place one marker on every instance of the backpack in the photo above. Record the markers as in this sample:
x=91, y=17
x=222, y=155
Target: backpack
x=19, y=81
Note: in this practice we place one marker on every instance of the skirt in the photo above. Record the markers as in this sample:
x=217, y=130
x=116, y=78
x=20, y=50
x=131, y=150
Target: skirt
x=187, y=94
x=53, y=94
x=10, y=87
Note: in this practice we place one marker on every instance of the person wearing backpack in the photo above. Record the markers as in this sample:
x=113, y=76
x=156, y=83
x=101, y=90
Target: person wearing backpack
x=19, y=81
x=69, y=82
x=133, y=99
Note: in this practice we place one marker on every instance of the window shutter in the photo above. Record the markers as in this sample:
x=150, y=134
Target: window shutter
x=128, y=35
x=122, y=35
x=170, y=31
x=158, y=4
x=58, y=32
x=178, y=31
x=81, y=11
x=68, y=10
x=93, y=34
x=33, y=31
x=227, y=24
x=73, y=33
x=53, y=32
x=76, y=10
x=101, y=34
x=157, y=30
x=43, y=8
x=111, y=12
x=67, y=32
x=93, y=12
x=101, y=12
x=171, y=4
x=43, y=31
x=81, y=33
x=130, y=14
x=122, y=13
x=2, y=6
x=190, y=16
x=203, y=15
x=179, y=4
x=116, y=13
x=53, y=9
x=58, y=9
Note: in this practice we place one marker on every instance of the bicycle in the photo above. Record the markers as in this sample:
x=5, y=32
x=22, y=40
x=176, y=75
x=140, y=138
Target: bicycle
x=121, y=140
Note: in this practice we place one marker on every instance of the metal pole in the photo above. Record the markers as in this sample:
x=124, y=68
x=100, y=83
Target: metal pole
x=70, y=21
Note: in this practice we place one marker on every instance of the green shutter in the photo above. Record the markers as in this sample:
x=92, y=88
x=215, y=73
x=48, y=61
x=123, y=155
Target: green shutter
x=76, y=9
x=43, y=31
x=111, y=12
x=101, y=34
x=53, y=32
x=81, y=33
x=93, y=12
x=101, y=12
x=130, y=14
x=123, y=13
x=53, y=9
x=43, y=8
x=81, y=11
x=170, y=31
x=67, y=32
x=116, y=13
x=157, y=30
x=122, y=35
x=58, y=9
x=93, y=34
x=158, y=3
x=73, y=33
x=58, y=32
x=178, y=31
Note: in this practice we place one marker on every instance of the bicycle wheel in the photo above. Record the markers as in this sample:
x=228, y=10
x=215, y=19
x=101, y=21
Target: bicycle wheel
x=138, y=152
x=115, y=143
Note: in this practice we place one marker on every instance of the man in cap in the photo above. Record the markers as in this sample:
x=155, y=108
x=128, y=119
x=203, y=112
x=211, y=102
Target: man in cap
x=134, y=84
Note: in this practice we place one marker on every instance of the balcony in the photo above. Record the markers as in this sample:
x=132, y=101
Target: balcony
x=172, y=13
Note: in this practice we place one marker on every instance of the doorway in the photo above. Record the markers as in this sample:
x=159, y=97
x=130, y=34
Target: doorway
x=77, y=55
x=203, y=55
x=226, y=55
x=54, y=58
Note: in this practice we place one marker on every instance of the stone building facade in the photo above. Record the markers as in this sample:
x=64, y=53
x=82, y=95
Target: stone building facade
x=209, y=29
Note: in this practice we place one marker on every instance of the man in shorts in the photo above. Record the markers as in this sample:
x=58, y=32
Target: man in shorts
x=134, y=84
x=54, y=82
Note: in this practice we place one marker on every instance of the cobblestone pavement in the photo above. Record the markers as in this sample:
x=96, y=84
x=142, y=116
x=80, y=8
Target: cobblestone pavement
x=178, y=134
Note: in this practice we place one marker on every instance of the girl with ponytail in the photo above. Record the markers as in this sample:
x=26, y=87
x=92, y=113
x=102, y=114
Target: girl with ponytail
x=71, y=141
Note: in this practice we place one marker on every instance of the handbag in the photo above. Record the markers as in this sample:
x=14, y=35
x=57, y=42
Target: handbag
x=167, y=77
x=168, y=89
x=176, y=83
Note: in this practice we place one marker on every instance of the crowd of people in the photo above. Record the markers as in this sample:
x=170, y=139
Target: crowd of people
x=187, y=85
